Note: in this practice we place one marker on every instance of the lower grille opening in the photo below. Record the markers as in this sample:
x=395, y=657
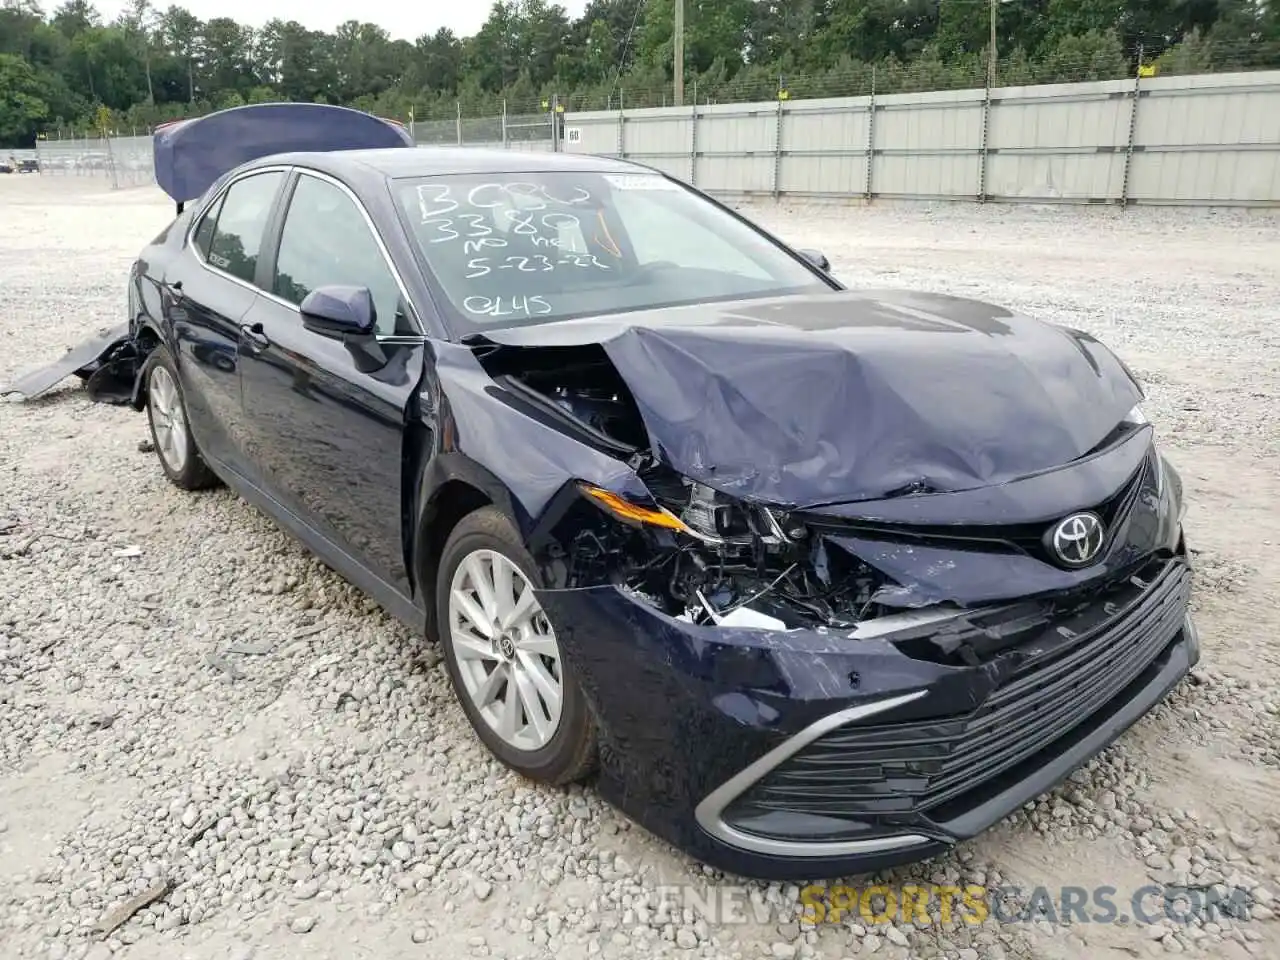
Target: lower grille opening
x=1053, y=692
x=801, y=827
x=992, y=788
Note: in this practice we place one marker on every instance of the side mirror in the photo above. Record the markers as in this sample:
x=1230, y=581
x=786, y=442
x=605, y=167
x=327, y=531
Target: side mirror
x=817, y=258
x=339, y=312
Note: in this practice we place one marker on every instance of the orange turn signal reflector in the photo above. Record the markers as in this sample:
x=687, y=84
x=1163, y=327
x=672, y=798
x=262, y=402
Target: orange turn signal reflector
x=626, y=510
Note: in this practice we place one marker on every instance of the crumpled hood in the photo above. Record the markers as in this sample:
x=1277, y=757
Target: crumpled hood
x=848, y=396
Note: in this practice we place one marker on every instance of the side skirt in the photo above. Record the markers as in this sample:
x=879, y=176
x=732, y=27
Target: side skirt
x=348, y=567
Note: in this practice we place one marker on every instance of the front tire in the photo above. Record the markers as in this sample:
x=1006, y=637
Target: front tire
x=504, y=661
x=170, y=428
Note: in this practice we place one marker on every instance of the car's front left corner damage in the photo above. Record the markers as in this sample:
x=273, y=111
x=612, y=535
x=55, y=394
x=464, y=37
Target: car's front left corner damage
x=766, y=635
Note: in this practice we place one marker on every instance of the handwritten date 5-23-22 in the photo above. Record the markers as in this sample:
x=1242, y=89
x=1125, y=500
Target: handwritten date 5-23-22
x=538, y=263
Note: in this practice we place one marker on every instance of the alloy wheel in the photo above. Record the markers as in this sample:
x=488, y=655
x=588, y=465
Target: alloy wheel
x=506, y=651
x=168, y=418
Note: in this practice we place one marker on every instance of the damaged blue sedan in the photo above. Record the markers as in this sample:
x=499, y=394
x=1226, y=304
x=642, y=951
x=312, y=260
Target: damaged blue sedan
x=809, y=581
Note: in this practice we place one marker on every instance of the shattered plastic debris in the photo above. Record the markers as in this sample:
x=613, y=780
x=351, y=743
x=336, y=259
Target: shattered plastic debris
x=83, y=360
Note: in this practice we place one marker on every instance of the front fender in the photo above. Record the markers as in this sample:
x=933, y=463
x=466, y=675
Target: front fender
x=476, y=421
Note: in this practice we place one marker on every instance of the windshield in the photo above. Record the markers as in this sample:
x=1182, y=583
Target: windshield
x=528, y=248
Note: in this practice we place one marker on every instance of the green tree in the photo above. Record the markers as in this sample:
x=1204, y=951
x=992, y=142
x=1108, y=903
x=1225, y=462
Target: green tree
x=139, y=25
x=780, y=31
x=714, y=30
x=75, y=18
x=147, y=67
x=180, y=34
x=227, y=57
x=22, y=109
x=1095, y=55
x=436, y=61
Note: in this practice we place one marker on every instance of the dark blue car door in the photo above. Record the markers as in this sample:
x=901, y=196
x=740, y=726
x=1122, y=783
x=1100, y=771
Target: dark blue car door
x=325, y=421
x=210, y=288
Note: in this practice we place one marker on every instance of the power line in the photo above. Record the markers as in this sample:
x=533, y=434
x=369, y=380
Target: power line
x=626, y=47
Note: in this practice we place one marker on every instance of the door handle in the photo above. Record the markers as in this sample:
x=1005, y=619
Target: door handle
x=255, y=336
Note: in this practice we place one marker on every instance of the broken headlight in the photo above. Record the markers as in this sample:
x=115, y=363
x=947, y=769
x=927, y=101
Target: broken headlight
x=629, y=511
x=714, y=517
x=702, y=513
x=713, y=559
x=1168, y=482
x=1163, y=469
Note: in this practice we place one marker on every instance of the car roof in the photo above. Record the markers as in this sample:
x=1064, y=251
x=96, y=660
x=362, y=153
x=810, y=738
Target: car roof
x=398, y=163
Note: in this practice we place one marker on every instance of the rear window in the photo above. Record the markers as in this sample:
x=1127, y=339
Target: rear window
x=241, y=223
x=204, y=233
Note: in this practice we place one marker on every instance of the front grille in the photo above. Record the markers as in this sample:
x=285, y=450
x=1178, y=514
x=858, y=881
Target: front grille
x=1050, y=686
x=1002, y=538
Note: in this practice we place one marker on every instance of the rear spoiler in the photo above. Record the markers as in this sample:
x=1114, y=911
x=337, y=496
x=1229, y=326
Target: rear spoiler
x=191, y=155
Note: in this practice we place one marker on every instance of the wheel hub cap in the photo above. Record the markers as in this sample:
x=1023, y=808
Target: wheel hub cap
x=167, y=418
x=507, y=655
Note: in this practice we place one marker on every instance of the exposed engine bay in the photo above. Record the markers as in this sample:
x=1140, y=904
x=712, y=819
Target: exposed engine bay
x=752, y=579
x=736, y=563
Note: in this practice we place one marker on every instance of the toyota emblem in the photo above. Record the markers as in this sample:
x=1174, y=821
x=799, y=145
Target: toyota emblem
x=1077, y=540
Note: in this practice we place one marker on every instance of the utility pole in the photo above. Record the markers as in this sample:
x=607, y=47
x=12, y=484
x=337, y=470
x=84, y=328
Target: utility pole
x=678, y=67
x=991, y=52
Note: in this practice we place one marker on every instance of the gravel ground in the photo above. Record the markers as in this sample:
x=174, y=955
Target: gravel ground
x=187, y=698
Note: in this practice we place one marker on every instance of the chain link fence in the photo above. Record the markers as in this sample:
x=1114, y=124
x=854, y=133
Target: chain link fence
x=128, y=161
x=532, y=130
x=124, y=161
x=927, y=74
x=539, y=125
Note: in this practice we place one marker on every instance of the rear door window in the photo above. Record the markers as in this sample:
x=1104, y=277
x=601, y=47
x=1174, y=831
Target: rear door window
x=204, y=232
x=242, y=220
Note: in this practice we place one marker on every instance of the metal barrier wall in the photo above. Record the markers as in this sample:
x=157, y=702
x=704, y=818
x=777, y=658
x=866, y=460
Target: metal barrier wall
x=1194, y=140
x=1202, y=140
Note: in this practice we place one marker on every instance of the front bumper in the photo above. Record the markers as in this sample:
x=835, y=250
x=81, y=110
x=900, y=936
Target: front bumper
x=84, y=360
x=808, y=754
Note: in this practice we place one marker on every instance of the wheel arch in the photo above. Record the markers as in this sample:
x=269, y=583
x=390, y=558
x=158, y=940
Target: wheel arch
x=146, y=338
x=454, y=487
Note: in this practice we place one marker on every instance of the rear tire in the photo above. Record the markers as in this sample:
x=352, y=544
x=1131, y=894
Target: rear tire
x=507, y=671
x=170, y=429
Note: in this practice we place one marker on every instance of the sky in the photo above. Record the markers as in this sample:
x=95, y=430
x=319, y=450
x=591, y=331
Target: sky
x=403, y=20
